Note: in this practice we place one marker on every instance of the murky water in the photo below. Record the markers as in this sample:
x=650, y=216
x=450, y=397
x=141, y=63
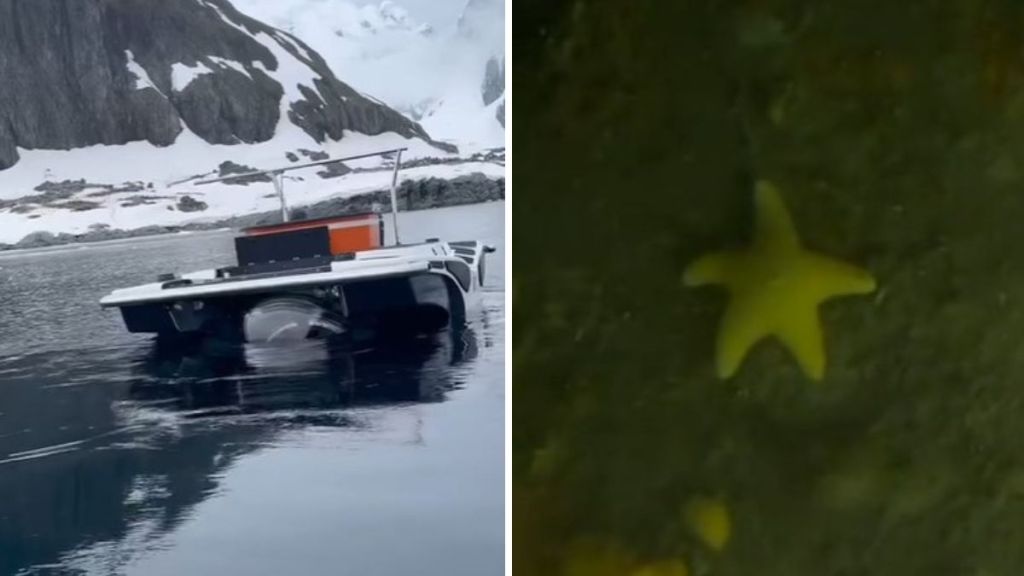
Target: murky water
x=893, y=132
x=119, y=456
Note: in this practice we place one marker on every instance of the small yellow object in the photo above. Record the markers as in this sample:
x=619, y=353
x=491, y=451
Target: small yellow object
x=775, y=288
x=663, y=568
x=708, y=518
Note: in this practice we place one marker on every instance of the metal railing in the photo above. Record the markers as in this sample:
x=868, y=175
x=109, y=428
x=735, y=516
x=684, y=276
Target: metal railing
x=277, y=177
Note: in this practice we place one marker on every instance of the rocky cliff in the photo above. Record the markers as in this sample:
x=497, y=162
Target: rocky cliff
x=493, y=87
x=75, y=73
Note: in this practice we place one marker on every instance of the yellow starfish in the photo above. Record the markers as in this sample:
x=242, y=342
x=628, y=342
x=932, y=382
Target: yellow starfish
x=775, y=288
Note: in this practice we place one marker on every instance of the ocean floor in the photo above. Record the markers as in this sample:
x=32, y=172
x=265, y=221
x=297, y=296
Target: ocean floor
x=894, y=133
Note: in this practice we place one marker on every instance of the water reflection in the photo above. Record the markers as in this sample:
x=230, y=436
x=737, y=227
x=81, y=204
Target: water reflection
x=104, y=471
x=210, y=378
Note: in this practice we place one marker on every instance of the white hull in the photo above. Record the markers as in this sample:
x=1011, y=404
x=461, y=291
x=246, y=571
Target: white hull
x=311, y=278
x=440, y=276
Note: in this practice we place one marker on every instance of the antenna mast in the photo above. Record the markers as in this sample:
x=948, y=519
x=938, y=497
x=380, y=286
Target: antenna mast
x=394, y=192
x=277, y=177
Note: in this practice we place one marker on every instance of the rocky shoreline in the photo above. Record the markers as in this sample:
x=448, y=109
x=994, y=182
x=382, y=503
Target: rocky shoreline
x=412, y=195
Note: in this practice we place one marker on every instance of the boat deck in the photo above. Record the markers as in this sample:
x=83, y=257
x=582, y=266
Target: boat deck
x=378, y=263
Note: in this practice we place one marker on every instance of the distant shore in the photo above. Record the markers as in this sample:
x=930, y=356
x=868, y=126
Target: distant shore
x=412, y=195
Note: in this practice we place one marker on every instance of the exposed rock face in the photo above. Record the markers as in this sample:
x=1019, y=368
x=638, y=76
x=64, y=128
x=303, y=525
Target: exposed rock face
x=334, y=170
x=190, y=204
x=82, y=72
x=227, y=168
x=494, y=81
x=493, y=87
x=37, y=240
x=483, y=21
x=314, y=155
x=437, y=192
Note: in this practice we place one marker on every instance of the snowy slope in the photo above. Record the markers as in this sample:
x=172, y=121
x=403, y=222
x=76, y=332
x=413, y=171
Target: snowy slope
x=433, y=75
x=106, y=165
x=160, y=169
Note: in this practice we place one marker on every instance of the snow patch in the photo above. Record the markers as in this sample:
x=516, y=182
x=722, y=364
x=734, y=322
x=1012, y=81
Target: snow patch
x=291, y=72
x=225, y=18
x=182, y=74
x=142, y=79
x=232, y=64
x=380, y=50
x=461, y=115
x=171, y=169
x=302, y=187
x=284, y=39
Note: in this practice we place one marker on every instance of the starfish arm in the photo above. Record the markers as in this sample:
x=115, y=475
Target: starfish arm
x=801, y=333
x=773, y=227
x=710, y=269
x=835, y=278
x=740, y=329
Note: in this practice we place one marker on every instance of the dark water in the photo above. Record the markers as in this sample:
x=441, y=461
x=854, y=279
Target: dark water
x=118, y=456
x=894, y=132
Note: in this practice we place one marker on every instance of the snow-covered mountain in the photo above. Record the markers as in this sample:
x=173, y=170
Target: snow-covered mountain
x=107, y=106
x=318, y=17
x=168, y=67
x=448, y=77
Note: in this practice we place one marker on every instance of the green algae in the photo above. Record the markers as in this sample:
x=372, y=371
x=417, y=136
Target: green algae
x=896, y=131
